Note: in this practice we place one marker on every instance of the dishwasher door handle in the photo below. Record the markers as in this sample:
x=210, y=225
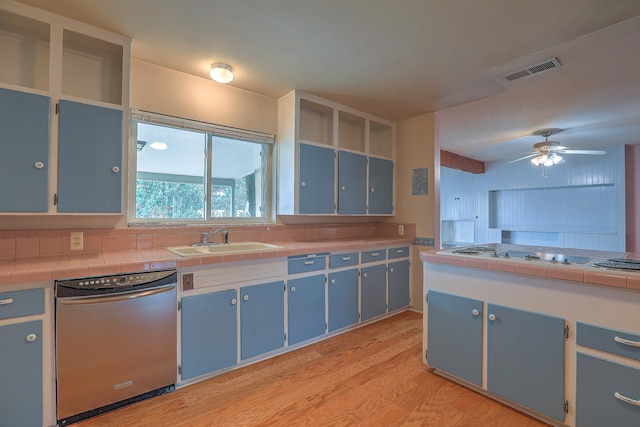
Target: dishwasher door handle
x=115, y=298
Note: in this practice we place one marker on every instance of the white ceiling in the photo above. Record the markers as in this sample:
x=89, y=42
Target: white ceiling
x=402, y=58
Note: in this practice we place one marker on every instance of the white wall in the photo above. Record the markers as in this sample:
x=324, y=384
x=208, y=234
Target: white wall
x=578, y=204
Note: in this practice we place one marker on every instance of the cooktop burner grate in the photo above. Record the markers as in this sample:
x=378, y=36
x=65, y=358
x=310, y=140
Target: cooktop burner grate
x=473, y=250
x=619, y=264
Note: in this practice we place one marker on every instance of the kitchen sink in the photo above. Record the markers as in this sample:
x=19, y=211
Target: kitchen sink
x=229, y=248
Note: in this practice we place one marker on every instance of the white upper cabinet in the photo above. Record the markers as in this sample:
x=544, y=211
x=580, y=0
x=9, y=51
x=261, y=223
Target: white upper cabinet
x=308, y=124
x=49, y=60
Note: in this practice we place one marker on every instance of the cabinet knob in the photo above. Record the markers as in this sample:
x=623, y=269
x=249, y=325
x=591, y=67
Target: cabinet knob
x=293, y=289
x=333, y=281
x=475, y=312
x=234, y=301
x=245, y=298
x=32, y=337
x=364, y=275
x=38, y=165
x=303, y=184
x=391, y=269
x=372, y=189
x=115, y=169
x=492, y=316
x=344, y=187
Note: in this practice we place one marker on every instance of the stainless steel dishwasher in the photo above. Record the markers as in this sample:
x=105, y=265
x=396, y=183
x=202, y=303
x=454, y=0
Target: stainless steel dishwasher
x=115, y=341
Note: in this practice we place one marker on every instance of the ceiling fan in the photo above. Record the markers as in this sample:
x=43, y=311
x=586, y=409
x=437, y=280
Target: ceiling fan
x=548, y=153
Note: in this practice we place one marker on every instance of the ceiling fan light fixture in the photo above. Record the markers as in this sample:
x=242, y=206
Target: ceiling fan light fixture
x=221, y=72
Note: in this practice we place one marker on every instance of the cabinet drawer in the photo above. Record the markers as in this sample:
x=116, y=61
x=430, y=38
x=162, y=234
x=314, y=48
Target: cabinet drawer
x=399, y=252
x=609, y=340
x=601, y=389
x=372, y=256
x=343, y=260
x=307, y=263
x=21, y=303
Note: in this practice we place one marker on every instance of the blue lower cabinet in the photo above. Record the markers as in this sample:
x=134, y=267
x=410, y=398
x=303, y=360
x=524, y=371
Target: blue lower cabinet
x=209, y=332
x=21, y=374
x=343, y=299
x=306, y=308
x=526, y=359
x=261, y=319
x=374, y=291
x=602, y=392
x=398, y=284
x=454, y=335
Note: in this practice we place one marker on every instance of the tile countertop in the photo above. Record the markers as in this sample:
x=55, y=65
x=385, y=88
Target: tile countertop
x=46, y=268
x=584, y=273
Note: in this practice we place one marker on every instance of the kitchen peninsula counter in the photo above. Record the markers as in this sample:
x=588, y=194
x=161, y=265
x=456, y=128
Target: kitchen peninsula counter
x=45, y=268
x=581, y=273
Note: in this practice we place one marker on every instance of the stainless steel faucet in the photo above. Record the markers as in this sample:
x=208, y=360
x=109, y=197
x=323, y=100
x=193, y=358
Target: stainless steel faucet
x=208, y=236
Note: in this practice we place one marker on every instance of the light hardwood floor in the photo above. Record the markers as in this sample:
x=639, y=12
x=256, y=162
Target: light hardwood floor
x=372, y=376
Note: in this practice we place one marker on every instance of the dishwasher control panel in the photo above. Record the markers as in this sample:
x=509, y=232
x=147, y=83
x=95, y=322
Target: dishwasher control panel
x=117, y=282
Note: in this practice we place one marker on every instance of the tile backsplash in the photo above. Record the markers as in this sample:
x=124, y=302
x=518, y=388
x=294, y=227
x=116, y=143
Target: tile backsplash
x=55, y=242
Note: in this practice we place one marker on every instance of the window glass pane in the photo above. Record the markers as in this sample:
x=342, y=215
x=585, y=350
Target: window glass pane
x=170, y=173
x=236, y=178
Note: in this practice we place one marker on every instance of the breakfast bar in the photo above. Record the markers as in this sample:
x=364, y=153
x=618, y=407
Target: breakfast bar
x=552, y=332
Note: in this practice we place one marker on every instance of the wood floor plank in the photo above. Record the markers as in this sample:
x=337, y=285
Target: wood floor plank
x=370, y=376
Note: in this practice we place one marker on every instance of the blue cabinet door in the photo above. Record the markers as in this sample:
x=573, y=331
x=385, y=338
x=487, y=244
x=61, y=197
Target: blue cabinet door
x=380, y=186
x=305, y=308
x=352, y=183
x=316, y=180
x=454, y=335
x=209, y=328
x=525, y=359
x=24, y=152
x=398, y=284
x=597, y=404
x=21, y=374
x=374, y=291
x=261, y=318
x=343, y=299
x=89, y=159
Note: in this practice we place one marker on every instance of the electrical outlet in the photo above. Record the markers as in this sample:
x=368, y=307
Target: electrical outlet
x=76, y=241
x=400, y=230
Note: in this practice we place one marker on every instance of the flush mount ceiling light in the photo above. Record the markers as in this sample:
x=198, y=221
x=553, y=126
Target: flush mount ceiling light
x=157, y=145
x=221, y=73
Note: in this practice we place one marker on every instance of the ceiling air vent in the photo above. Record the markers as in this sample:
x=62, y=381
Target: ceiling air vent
x=541, y=67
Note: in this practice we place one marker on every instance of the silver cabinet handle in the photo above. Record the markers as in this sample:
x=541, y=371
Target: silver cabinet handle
x=308, y=263
x=303, y=184
x=626, y=342
x=375, y=254
x=626, y=399
x=400, y=251
x=475, y=312
x=364, y=275
x=245, y=298
x=32, y=337
x=346, y=258
x=492, y=317
x=391, y=269
x=373, y=189
x=38, y=165
x=293, y=289
x=344, y=187
x=115, y=169
x=6, y=301
x=333, y=281
x=234, y=301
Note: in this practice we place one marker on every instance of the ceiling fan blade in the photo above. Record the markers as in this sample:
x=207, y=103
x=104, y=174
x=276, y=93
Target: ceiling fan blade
x=596, y=152
x=525, y=157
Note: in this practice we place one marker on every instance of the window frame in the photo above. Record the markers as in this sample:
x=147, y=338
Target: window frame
x=211, y=130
